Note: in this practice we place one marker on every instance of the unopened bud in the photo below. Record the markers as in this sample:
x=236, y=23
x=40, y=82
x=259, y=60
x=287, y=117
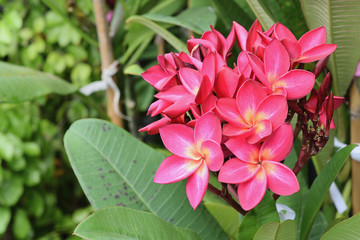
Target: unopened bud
x=320, y=65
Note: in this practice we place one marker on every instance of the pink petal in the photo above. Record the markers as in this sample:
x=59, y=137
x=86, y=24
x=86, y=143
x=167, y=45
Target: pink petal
x=243, y=131
x=297, y=83
x=317, y=53
x=248, y=98
x=276, y=60
x=209, y=104
x=208, y=127
x=258, y=68
x=179, y=139
x=157, y=77
x=226, y=83
x=281, y=180
x=230, y=39
x=206, y=88
x=278, y=146
x=173, y=94
x=236, y=171
x=158, y=107
x=179, y=107
x=311, y=103
x=191, y=79
x=252, y=191
x=273, y=108
x=243, y=150
x=208, y=66
x=241, y=35
x=281, y=32
x=197, y=184
x=213, y=155
x=312, y=39
x=153, y=128
x=227, y=109
x=252, y=35
x=262, y=129
x=293, y=48
x=244, y=65
x=174, y=169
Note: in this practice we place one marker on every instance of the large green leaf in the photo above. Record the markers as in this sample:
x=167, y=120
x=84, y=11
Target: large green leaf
x=261, y=13
x=127, y=223
x=116, y=169
x=19, y=84
x=165, y=34
x=229, y=11
x=348, y=229
x=264, y=212
x=320, y=187
x=189, y=19
x=341, y=19
x=276, y=231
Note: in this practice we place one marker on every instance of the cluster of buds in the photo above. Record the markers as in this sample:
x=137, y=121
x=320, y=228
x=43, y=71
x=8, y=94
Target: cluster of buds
x=234, y=121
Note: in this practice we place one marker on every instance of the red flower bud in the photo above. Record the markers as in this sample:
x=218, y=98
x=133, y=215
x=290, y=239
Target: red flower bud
x=320, y=65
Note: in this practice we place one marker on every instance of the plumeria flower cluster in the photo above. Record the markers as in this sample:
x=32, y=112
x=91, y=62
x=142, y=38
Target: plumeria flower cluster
x=234, y=121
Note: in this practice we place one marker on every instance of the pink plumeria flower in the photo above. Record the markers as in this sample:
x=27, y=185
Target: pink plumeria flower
x=310, y=47
x=253, y=114
x=275, y=75
x=257, y=167
x=195, y=152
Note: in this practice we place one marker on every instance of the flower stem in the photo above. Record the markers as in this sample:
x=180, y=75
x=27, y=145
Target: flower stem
x=228, y=198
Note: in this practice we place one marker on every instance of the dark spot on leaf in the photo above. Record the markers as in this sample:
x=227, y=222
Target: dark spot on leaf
x=116, y=196
x=126, y=194
x=104, y=127
x=104, y=198
x=120, y=204
x=153, y=172
x=89, y=187
x=152, y=196
x=100, y=169
x=137, y=202
x=109, y=184
x=171, y=220
x=109, y=128
x=102, y=176
x=134, y=161
x=110, y=194
x=107, y=189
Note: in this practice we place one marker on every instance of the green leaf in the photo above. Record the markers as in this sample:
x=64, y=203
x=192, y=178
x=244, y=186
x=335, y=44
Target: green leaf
x=263, y=213
x=261, y=13
x=21, y=226
x=267, y=231
x=341, y=20
x=125, y=223
x=347, y=229
x=227, y=217
x=134, y=69
x=5, y=216
x=287, y=231
x=165, y=34
x=248, y=226
x=11, y=191
x=189, y=19
x=19, y=84
x=228, y=11
x=116, y=169
x=320, y=187
x=276, y=231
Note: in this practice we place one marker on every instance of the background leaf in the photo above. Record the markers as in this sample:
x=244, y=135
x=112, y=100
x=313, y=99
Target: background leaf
x=116, y=169
x=165, y=34
x=341, y=20
x=261, y=13
x=19, y=84
x=320, y=187
x=348, y=229
x=127, y=223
